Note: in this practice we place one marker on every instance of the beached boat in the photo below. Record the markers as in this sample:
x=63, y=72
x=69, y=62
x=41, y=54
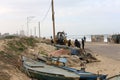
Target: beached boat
x=42, y=71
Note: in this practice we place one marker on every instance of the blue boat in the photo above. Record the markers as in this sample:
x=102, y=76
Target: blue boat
x=42, y=71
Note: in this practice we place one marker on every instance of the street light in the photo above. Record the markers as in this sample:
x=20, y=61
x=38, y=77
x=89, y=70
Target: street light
x=29, y=18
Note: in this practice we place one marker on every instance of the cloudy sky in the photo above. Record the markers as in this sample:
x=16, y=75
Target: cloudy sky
x=75, y=17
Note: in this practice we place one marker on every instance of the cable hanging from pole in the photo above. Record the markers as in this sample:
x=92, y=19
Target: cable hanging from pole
x=46, y=13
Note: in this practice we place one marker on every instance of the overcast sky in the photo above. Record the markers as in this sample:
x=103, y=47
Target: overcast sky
x=75, y=17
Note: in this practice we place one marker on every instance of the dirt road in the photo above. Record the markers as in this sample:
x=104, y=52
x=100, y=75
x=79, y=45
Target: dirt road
x=105, y=49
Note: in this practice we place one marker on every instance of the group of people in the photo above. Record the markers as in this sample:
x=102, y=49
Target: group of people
x=78, y=43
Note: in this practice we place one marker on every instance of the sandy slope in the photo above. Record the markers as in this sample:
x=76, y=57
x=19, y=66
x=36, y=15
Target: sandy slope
x=106, y=66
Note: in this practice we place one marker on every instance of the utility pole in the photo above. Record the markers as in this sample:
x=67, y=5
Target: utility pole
x=34, y=31
x=27, y=27
x=53, y=19
x=29, y=18
x=39, y=29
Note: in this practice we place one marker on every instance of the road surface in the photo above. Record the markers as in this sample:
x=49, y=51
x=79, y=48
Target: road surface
x=105, y=49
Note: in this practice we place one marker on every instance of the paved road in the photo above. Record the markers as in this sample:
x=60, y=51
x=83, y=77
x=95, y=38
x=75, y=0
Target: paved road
x=108, y=50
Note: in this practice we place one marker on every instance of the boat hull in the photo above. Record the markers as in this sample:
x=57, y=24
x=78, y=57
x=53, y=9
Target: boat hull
x=46, y=76
x=43, y=71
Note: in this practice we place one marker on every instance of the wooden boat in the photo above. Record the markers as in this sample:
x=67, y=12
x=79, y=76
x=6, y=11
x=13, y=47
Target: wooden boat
x=42, y=71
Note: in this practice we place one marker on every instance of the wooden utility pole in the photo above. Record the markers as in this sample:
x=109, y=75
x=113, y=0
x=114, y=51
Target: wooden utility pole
x=39, y=29
x=53, y=19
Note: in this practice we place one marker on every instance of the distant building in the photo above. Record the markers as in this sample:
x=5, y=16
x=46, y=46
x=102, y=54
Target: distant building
x=5, y=34
x=97, y=38
x=114, y=38
x=22, y=33
x=109, y=39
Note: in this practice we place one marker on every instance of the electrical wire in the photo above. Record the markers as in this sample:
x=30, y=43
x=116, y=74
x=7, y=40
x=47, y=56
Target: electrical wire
x=46, y=14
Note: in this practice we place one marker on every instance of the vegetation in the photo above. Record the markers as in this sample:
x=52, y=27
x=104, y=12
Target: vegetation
x=10, y=37
x=11, y=49
x=29, y=41
x=20, y=45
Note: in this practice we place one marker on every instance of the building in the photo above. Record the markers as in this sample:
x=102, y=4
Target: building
x=97, y=38
x=22, y=33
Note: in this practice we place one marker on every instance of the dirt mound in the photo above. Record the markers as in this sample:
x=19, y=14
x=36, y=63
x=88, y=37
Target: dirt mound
x=4, y=76
x=10, y=52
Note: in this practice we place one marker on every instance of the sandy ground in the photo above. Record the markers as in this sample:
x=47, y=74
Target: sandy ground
x=109, y=56
x=106, y=66
x=9, y=72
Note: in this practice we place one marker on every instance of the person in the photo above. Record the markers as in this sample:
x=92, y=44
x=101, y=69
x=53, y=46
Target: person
x=83, y=43
x=69, y=43
x=52, y=40
x=77, y=43
x=84, y=39
x=61, y=39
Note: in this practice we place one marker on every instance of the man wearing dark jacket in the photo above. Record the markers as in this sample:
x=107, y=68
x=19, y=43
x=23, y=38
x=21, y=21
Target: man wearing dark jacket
x=83, y=43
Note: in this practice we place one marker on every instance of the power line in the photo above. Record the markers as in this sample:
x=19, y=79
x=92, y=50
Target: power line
x=46, y=13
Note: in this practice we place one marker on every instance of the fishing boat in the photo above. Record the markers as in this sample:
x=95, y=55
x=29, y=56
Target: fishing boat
x=42, y=71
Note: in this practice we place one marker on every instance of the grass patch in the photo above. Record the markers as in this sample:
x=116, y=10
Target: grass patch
x=20, y=45
x=29, y=41
x=10, y=37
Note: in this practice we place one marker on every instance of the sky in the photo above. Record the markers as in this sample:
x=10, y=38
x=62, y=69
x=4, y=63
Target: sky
x=75, y=17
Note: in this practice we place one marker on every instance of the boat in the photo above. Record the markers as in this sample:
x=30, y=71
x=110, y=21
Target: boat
x=42, y=71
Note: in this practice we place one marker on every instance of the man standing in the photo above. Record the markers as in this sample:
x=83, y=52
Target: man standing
x=52, y=40
x=69, y=43
x=84, y=39
x=83, y=43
